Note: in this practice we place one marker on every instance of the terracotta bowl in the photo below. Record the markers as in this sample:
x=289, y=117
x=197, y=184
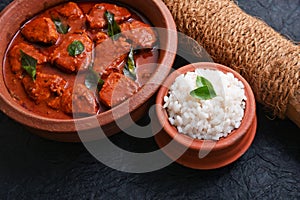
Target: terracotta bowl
x=205, y=154
x=14, y=15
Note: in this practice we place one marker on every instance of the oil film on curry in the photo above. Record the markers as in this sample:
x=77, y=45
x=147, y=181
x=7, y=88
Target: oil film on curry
x=80, y=57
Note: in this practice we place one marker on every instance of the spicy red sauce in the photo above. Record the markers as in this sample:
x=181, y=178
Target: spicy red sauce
x=14, y=81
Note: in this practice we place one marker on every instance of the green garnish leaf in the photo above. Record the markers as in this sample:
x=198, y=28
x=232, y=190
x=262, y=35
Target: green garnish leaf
x=93, y=81
x=201, y=81
x=75, y=48
x=100, y=83
x=129, y=68
x=202, y=93
x=61, y=27
x=113, y=28
x=205, y=89
x=29, y=64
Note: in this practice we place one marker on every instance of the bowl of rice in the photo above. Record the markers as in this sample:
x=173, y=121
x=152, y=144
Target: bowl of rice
x=208, y=116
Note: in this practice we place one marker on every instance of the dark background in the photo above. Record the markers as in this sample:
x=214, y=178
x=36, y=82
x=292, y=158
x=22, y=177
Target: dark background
x=35, y=168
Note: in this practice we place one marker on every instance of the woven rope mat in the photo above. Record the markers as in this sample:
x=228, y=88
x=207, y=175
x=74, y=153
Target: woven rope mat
x=267, y=60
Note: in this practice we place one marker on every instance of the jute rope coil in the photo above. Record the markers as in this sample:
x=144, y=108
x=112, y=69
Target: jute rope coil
x=267, y=60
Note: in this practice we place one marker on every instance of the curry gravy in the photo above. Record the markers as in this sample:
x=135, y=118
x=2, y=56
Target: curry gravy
x=14, y=84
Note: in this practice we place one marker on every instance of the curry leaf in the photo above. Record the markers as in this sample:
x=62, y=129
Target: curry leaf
x=75, y=48
x=100, y=83
x=93, y=81
x=205, y=89
x=129, y=69
x=113, y=28
x=29, y=64
x=61, y=27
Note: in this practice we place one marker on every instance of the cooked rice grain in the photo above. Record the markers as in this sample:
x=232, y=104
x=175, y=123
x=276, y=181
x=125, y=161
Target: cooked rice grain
x=206, y=119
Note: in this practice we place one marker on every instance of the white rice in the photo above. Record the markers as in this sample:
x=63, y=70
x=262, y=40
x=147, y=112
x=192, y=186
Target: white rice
x=206, y=119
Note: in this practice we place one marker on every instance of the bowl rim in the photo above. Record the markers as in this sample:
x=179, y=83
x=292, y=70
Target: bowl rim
x=28, y=118
x=197, y=144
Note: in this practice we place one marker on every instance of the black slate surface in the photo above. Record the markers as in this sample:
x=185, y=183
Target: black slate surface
x=35, y=168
